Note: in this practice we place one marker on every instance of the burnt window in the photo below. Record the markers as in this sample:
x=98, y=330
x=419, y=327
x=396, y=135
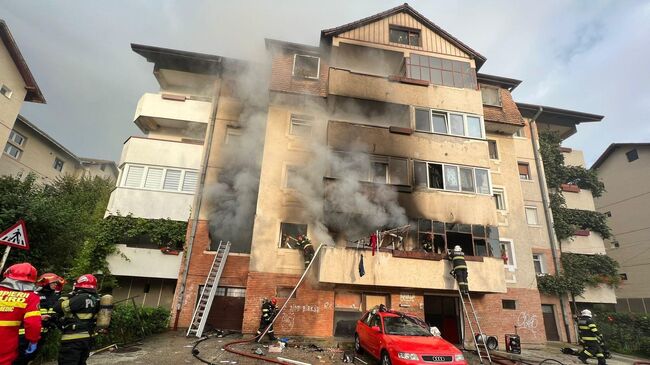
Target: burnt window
x=441, y=71
x=289, y=232
x=306, y=66
x=632, y=155
x=409, y=37
x=509, y=304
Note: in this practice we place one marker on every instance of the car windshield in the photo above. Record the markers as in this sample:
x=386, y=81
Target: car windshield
x=404, y=326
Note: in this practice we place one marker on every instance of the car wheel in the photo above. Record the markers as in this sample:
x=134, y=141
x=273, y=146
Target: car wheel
x=385, y=359
x=357, y=344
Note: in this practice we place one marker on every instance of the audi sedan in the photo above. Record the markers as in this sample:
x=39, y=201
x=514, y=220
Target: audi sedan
x=395, y=338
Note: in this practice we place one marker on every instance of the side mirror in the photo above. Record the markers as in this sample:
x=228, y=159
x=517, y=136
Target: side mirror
x=375, y=328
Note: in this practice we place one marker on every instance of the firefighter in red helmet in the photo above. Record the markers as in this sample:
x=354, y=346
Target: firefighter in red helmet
x=78, y=313
x=48, y=287
x=269, y=309
x=18, y=306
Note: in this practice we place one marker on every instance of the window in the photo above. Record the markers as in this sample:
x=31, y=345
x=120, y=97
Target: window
x=133, y=177
x=508, y=253
x=236, y=292
x=284, y=292
x=490, y=95
x=608, y=213
x=233, y=136
x=538, y=263
x=381, y=169
x=409, y=37
x=300, y=126
x=172, y=180
x=531, y=216
x=441, y=71
x=451, y=177
x=160, y=178
x=509, y=304
x=58, y=164
x=291, y=178
x=493, y=150
x=616, y=244
x=520, y=133
x=16, y=138
x=474, y=239
x=524, y=170
x=288, y=233
x=632, y=155
x=499, y=198
x=190, y=180
x=6, y=91
x=427, y=120
x=623, y=276
x=306, y=66
x=153, y=178
x=102, y=167
x=12, y=151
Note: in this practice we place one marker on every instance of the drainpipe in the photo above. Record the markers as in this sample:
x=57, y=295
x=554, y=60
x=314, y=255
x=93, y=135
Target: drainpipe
x=541, y=176
x=198, y=198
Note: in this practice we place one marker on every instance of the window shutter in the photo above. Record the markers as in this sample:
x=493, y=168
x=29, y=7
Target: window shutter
x=172, y=180
x=523, y=169
x=134, y=176
x=154, y=176
x=189, y=181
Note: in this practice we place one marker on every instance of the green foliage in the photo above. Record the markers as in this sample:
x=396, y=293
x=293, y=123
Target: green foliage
x=130, y=323
x=578, y=272
x=583, y=219
x=625, y=332
x=585, y=179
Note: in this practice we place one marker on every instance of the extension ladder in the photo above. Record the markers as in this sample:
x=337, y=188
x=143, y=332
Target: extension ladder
x=202, y=310
x=466, y=301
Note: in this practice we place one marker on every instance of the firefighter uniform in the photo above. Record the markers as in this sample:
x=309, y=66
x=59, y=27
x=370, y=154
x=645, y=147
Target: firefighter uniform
x=590, y=338
x=268, y=312
x=78, y=313
x=18, y=306
x=459, y=270
x=307, y=249
x=427, y=243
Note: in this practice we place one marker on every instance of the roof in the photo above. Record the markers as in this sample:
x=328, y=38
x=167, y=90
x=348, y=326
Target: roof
x=500, y=81
x=406, y=8
x=557, y=116
x=46, y=136
x=179, y=60
x=34, y=93
x=612, y=147
x=290, y=45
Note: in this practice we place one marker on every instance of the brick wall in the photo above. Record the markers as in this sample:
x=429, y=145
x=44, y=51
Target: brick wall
x=282, y=80
x=507, y=113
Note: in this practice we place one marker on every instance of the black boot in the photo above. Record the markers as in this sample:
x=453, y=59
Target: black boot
x=582, y=357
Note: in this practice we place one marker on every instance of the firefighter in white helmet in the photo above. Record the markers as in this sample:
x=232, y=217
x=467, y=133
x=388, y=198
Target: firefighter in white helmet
x=591, y=338
x=459, y=270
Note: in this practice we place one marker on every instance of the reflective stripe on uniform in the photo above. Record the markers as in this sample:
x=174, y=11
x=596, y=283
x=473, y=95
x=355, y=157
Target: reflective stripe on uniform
x=460, y=267
x=583, y=327
x=85, y=315
x=589, y=338
x=74, y=336
x=32, y=314
x=10, y=323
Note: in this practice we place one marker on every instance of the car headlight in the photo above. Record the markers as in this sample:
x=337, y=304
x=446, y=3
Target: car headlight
x=407, y=356
x=460, y=357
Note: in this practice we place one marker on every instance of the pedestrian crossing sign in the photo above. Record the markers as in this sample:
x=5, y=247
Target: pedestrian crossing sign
x=15, y=236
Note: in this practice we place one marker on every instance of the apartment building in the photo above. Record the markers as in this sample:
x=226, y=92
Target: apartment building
x=387, y=126
x=17, y=84
x=625, y=170
x=30, y=150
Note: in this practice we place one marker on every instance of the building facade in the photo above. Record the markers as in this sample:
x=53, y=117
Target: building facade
x=29, y=150
x=624, y=168
x=386, y=127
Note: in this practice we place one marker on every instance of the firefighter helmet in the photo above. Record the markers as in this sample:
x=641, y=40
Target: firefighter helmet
x=21, y=272
x=274, y=300
x=87, y=281
x=586, y=313
x=457, y=248
x=51, y=278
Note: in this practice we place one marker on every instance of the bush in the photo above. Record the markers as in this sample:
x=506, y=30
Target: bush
x=130, y=323
x=625, y=332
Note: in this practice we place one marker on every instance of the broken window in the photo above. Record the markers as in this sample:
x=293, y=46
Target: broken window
x=306, y=66
x=409, y=37
x=289, y=232
x=300, y=126
x=435, y=176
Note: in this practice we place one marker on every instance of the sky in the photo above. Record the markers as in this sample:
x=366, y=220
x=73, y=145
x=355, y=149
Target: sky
x=588, y=56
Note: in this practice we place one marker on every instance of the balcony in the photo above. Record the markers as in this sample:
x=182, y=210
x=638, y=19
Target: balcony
x=364, y=86
x=150, y=204
x=339, y=265
x=578, y=198
x=151, y=151
x=159, y=110
x=144, y=262
x=588, y=245
x=599, y=294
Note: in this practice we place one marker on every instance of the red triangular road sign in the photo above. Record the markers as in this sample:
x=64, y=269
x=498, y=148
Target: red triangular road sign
x=16, y=236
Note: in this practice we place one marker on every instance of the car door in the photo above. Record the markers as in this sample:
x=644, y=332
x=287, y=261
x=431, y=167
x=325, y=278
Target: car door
x=363, y=330
x=374, y=337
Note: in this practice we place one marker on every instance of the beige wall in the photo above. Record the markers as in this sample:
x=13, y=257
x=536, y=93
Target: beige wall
x=9, y=108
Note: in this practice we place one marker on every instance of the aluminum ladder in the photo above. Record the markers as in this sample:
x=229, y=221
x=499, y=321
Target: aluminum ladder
x=202, y=310
x=466, y=301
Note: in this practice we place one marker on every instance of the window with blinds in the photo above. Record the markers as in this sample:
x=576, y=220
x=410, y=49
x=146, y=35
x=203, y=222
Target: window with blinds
x=172, y=180
x=524, y=170
x=189, y=181
x=160, y=178
x=153, y=179
x=134, y=176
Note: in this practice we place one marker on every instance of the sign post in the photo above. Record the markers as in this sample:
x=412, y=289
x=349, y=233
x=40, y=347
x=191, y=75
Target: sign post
x=15, y=236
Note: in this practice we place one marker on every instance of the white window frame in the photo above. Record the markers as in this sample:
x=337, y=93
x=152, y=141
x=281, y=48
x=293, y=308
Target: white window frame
x=530, y=172
x=531, y=207
x=539, y=257
x=500, y=190
x=12, y=138
x=511, y=267
x=231, y=132
x=300, y=120
x=474, y=168
x=143, y=178
x=496, y=146
x=293, y=69
x=10, y=146
x=448, y=114
x=498, y=95
x=6, y=91
x=519, y=133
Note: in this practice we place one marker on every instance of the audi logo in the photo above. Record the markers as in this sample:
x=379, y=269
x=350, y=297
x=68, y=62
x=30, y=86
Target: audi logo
x=430, y=358
x=438, y=358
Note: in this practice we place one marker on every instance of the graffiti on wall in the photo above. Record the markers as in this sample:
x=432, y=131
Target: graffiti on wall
x=528, y=321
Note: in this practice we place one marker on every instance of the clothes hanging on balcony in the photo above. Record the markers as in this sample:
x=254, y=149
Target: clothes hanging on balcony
x=362, y=270
x=373, y=242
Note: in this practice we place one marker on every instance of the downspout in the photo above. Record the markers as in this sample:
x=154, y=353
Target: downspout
x=541, y=176
x=198, y=198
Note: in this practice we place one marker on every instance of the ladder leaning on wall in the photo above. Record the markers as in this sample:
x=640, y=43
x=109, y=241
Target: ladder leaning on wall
x=478, y=337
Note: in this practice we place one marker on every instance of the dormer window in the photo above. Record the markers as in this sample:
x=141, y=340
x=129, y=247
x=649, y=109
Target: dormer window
x=305, y=66
x=406, y=36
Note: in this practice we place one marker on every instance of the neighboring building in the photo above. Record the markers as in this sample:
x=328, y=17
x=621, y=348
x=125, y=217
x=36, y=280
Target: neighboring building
x=31, y=150
x=387, y=123
x=624, y=168
x=16, y=82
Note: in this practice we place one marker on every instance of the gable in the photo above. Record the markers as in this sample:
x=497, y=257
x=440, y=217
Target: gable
x=378, y=32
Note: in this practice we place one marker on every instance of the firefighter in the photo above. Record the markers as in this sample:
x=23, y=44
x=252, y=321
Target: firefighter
x=18, y=305
x=307, y=249
x=591, y=339
x=427, y=243
x=268, y=313
x=48, y=288
x=459, y=270
x=78, y=313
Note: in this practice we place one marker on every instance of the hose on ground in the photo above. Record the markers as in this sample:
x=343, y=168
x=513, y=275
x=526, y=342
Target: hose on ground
x=252, y=356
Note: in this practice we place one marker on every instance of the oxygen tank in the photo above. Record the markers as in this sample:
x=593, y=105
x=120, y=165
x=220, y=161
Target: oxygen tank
x=105, y=311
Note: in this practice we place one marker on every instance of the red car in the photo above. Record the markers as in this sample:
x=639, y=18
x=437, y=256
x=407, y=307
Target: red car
x=396, y=338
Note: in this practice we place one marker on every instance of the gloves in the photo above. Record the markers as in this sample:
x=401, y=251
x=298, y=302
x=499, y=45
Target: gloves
x=31, y=348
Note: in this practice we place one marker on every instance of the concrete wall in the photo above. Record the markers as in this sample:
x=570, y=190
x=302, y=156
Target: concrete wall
x=9, y=107
x=156, y=106
x=151, y=151
x=143, y=262
x=148, y=292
